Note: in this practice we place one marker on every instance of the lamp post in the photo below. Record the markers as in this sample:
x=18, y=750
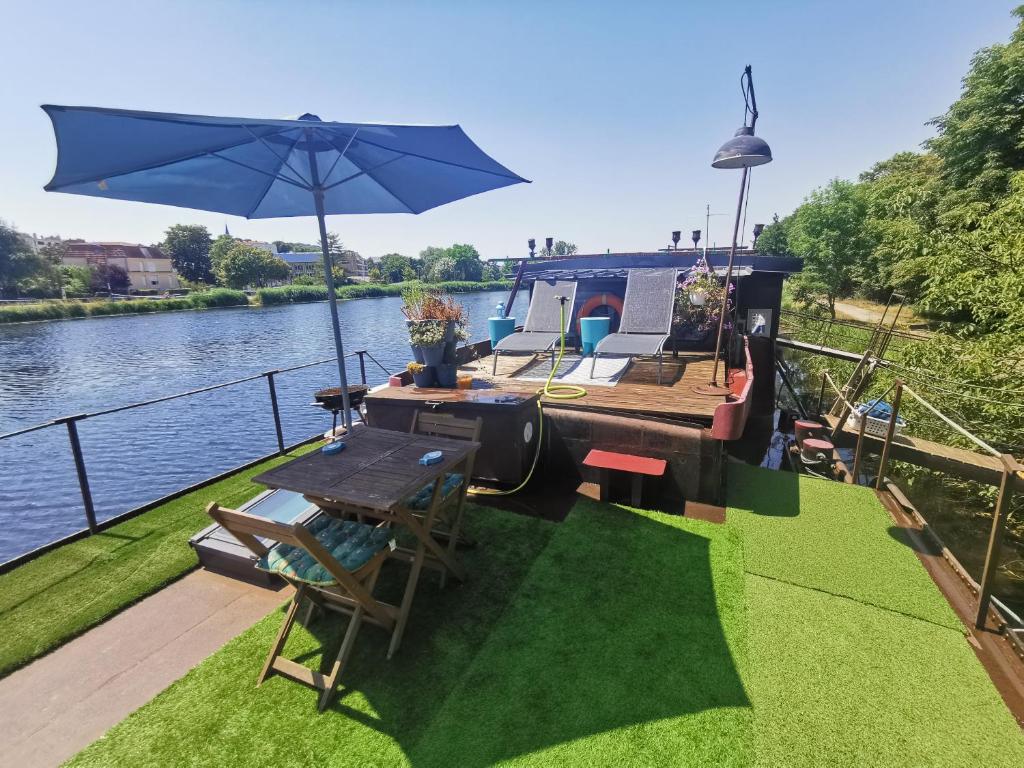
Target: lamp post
x=695, y=236
x=744, y=150
x=532, y=245
x=758, y=229
x=549, y=246
x=676, y=234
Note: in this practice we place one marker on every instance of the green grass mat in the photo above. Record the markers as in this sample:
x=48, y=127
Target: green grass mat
x=830, y=536
x=837, y=682
x=59, y=595
x=216, y=716
x=622, y=647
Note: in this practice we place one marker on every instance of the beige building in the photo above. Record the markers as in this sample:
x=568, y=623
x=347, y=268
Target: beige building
x=148, y=268
x=310, y=263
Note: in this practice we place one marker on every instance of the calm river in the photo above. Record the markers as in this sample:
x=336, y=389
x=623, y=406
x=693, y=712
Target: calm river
x=53, y=369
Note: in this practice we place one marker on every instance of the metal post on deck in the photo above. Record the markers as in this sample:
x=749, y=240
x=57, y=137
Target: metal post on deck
x=995, y=539
x=821, y=393
x=83, y=477
x=277, y=412
x=860, y=447
x=362, y=365
x=880, y=482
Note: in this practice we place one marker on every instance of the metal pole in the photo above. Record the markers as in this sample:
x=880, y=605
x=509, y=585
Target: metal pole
x=277, y=413
x=728, y=276
x=888, y=434
x=83, y=477
x=860, y=446
x=995, y=539
x=332, y=299
x=821, y=393
x=362, y=366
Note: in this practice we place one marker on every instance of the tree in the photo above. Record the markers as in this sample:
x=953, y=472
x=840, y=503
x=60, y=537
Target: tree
x=774, y=239
x=979, y=141
x=492, y=271
x=285, y=247
x=394, y=268
x=219, y=249
x=188, y=245
x=442, y=270
x=17, y=261
x=374, y=275
x=109, y=278
x=467, y=262
x=828, y=231
x=247, y=266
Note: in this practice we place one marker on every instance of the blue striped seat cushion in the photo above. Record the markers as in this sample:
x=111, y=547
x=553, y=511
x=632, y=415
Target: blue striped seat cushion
x=421, y=499
x=350, y=543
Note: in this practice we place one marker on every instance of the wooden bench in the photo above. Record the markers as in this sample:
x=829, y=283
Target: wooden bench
x=637, y=466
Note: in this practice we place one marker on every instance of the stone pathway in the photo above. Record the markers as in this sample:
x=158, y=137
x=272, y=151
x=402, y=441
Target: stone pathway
x=62, y=702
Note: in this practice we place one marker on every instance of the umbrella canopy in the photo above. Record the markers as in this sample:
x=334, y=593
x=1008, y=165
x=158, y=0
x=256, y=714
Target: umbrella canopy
x=269, y=168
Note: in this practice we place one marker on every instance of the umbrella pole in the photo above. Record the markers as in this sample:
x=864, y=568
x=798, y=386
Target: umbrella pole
x=346, y=413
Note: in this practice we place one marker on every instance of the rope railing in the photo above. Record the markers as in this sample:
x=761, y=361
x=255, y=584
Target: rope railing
x=970, y=436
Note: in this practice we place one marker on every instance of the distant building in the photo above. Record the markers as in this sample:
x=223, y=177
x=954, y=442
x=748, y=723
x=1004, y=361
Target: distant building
x=268, y=247
x=310, y=263
x=148, y=268
x=42, y=241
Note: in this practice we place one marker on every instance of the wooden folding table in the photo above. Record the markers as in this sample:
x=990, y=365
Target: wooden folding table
x=374, y=476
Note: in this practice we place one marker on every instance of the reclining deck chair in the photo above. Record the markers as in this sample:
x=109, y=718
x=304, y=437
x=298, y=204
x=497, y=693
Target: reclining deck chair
x=541, y=330
x=332, y=563
x=646, y=317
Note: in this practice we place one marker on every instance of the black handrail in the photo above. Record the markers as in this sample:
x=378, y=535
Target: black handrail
x=71, y=422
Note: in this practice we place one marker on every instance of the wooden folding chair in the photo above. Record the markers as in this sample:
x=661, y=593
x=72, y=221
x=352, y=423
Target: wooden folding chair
x=451, y=506
x=332, y=563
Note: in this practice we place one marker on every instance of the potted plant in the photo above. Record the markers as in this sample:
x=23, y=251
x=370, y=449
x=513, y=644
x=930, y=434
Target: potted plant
x=447, y=375
x=427, y=337
x=698, y=304
x=422, y=376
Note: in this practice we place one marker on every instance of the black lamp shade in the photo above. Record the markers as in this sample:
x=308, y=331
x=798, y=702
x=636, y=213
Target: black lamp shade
x=549, y=242
x=758, y=229
x=531, y=243
x=744, y=150
x=676, y=235
x=695, y=236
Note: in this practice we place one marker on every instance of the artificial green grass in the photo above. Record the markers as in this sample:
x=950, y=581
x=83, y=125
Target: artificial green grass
x=621, y=648
x=59, y=595
x=215, y=715
x=618, y=637
x=839, y=682
x=833, y=537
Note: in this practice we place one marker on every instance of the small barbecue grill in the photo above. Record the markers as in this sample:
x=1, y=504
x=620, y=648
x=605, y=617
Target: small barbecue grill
x=330, y=400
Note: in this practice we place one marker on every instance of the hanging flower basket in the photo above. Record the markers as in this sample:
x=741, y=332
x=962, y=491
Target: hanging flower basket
x=697, y=298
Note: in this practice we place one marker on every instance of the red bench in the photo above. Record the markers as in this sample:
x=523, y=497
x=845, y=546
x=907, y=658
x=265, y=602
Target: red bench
x=637, y=466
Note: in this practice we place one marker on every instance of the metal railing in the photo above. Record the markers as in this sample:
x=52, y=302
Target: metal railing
x=71, y=423
x=1011, y=475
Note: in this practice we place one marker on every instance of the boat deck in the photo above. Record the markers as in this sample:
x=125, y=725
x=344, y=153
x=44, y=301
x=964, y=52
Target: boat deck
x=636, y=393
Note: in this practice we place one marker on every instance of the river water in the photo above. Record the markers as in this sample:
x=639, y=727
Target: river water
x=53, y=369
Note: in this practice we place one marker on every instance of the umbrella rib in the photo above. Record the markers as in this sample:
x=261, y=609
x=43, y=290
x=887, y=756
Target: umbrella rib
x=284, y=159
x=508, y=175
x=260, y=171
x=161, y=164
x=341, y=154
x=270, y=183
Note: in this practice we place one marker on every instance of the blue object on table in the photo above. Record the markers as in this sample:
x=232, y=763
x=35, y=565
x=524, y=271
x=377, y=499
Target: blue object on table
x=592, y=330
x=499, y=311
x=331, y=448
x=431, y=457
x=499, y=328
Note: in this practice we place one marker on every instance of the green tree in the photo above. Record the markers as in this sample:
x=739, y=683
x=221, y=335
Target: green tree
x=76, y=280
x=774, y=239
x=468, y=265
x=246, y=266
x=394, y=268
x=17, y=261
x=188, y=245
x=828, y=232
x=284, y=246
x=979, y=141
x=109, y=278
x=443, y=269
x=219, y=249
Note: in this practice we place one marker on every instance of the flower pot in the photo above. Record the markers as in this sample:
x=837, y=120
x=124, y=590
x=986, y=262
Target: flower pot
x=449, y=351
x=417, y=353
x=424, y=378
x=433, y=355
x=447, y=375
x=697, y=298
x=449, y=331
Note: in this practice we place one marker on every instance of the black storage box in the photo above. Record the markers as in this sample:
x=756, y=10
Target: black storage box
x=508, y=436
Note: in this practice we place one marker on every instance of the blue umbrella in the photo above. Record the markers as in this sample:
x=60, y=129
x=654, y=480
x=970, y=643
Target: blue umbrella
x=269, y=168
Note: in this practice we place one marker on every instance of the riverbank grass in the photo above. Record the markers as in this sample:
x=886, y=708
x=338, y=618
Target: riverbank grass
x=617, y=637
x=59, y=595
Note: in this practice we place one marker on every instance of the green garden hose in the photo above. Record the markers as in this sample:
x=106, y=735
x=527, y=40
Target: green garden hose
x=557, y=392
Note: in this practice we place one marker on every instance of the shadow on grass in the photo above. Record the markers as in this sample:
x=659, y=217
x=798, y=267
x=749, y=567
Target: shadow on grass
x=762, y=491
x=616, y=633
x=920, y=543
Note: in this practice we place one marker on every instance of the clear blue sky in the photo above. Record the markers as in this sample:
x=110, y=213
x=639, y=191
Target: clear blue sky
x=614, y=110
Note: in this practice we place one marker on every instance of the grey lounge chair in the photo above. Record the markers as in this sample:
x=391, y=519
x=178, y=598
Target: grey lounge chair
x=646, y=317
x=541, y=330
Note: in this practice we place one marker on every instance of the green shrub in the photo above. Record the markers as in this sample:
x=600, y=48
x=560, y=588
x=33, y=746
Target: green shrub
x=219, y=297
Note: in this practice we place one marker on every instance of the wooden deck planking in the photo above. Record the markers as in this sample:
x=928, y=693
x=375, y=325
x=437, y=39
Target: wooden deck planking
x=637, y=392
